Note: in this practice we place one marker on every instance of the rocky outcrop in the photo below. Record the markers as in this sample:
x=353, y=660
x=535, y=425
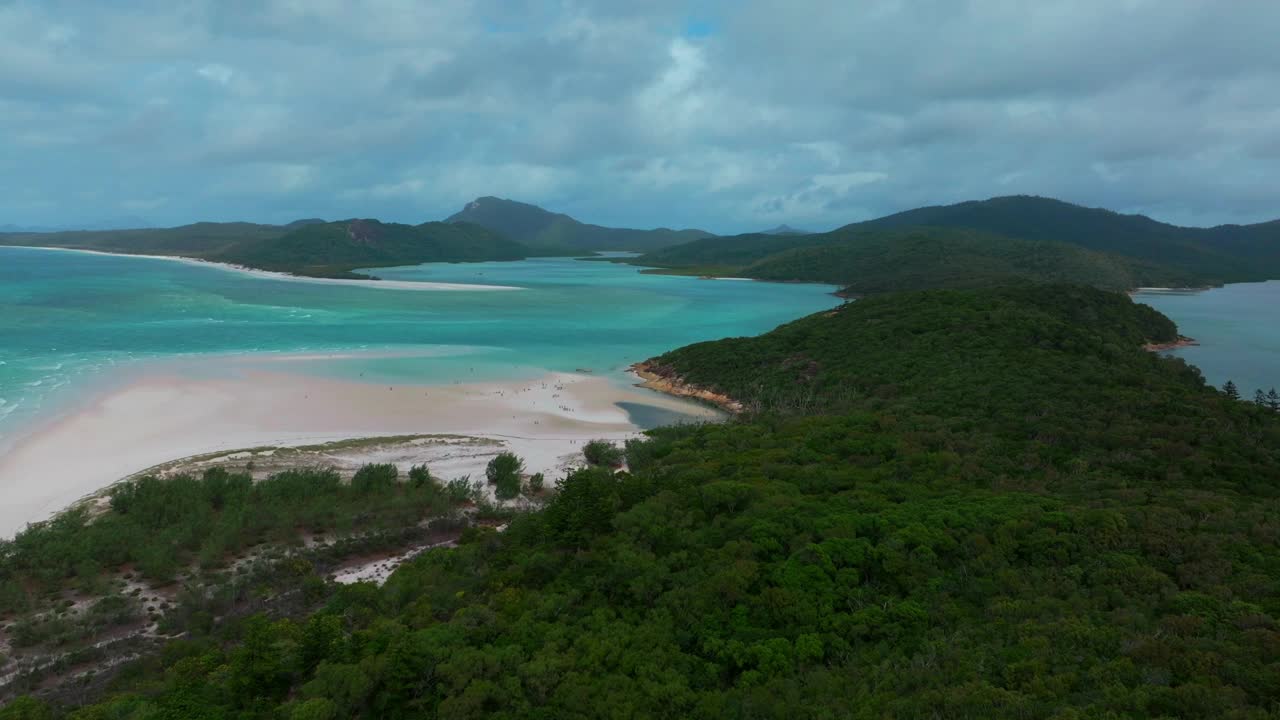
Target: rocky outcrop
x=1182, y=341
x=665, y=380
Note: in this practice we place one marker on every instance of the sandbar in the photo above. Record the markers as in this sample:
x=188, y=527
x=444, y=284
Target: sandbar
x=271, y=275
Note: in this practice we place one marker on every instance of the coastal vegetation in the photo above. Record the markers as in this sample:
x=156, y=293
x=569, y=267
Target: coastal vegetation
x=504, y=473
x=157, y=558
x=957, y=503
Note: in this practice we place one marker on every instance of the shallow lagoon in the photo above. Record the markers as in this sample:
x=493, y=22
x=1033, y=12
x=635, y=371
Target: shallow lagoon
x=69, y=319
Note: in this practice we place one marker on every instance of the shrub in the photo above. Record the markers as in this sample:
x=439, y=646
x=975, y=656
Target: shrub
x=603, y=453
x=374, y=478
x=504, y=473
x=419, y=476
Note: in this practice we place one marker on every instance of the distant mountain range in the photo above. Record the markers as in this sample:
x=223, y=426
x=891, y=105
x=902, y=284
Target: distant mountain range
x=996, y=240
x=1030, y=238
x=544, y=230
x=1225, y=252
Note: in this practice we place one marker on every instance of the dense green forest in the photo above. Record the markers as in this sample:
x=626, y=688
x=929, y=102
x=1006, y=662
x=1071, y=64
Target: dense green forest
x=953, y=504
x=546, y=231
x=159, y=557
x=978, y=244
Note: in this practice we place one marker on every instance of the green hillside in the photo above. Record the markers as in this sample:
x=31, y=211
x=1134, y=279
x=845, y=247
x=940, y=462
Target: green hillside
x=1221, y=254
x=983, y=238
x=544, y=230
x=331, y=249
x=730, y=250
x=885, y=260
x=968, y=504
x=910, y=345
x=927, y=258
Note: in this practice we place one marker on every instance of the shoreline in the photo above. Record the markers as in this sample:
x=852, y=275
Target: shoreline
x=1134, y=292
x=168, y=415
x=275, y=275
x=1181, y=342
x=653, y=379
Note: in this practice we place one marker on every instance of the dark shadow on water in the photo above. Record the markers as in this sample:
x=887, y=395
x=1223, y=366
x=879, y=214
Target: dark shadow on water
x=647, y=417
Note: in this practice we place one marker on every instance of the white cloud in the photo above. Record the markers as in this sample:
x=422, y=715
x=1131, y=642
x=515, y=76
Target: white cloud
x=813, y=112
x=215, y=72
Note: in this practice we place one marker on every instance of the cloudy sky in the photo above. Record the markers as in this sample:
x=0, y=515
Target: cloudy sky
x=728, y=115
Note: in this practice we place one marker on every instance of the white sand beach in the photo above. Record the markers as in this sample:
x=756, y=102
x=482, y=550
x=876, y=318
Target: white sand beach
x=166, y=415
x=269, y=275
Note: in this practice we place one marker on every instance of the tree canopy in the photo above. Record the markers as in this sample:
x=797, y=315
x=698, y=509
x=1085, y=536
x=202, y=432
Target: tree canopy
x=950, y=504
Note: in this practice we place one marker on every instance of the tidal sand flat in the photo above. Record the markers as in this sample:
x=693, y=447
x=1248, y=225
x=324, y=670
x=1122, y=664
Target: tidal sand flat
x=112, y=364
x=172, y=414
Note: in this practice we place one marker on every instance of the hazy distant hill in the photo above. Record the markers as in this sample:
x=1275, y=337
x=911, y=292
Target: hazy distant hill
x=1149, y=251
x=542, y=229
x=306, y=247
x=874, y=261
x=332, y=249
x=306, y=221
x=882, y=260
x=1223, y=253
x=202, y=240
x=785, y=229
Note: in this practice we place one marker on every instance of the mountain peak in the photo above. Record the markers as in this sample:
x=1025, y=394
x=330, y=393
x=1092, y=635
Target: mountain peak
x=540, y=228
x=785, y=229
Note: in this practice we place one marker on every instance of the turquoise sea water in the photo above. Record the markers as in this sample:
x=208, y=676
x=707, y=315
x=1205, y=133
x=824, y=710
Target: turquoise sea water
x=1237, y=326
x=68, y=320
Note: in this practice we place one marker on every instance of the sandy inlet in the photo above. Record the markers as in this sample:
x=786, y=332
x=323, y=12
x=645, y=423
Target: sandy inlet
x=166, y=415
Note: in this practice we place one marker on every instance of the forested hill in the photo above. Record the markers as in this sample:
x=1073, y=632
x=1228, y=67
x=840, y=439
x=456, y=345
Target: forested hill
x=871, y=260
x=304, y=247
x=333, y=249
x=935, y=258
x=1227, y=252
x=910, y=345
x=545, y=230
x=994, y=240
x=966, y=504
